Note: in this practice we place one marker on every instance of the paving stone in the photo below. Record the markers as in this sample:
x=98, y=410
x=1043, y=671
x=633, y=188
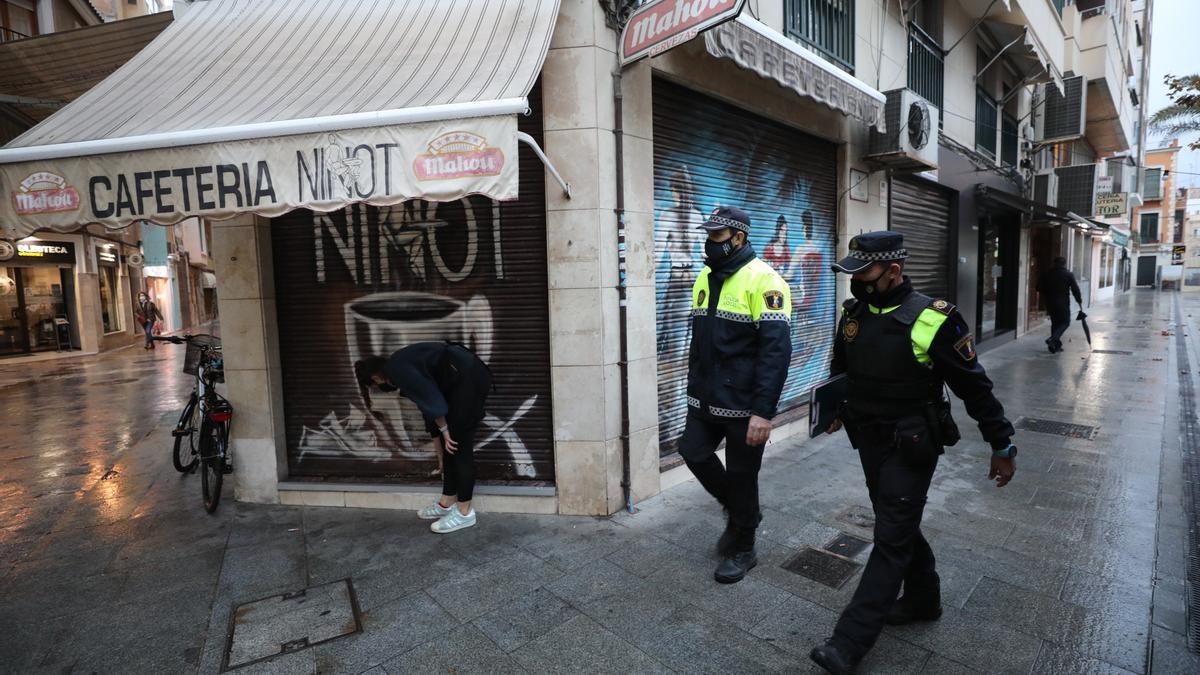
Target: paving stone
x=462, y=650
x=595, y=581
x=743, y=604
x=517, y=622
x=579, y=548
x=1171, y=659
x=476, y=591
x=582, y=646
x=967, y=638
x=1056, y=659
x=387, y=632
x=645, y=555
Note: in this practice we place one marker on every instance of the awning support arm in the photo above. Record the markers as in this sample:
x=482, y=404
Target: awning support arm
x=999, y=54
x=977, y=24
x=537, y=150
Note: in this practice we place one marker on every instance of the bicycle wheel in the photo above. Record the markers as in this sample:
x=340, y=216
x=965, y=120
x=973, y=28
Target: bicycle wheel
x=184, y=457
x=212, y=460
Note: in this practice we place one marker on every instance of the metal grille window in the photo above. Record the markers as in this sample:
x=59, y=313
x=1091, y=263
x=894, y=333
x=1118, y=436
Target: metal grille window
x=1148, y=228
x=985, y=123
x=926, y=68
x=1152, y=187
x=826, y=26
x=1008, y=140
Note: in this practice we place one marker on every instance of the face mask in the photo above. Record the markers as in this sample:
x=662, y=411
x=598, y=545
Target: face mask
x=717, y=251
x=866, y=291
x=387, y=388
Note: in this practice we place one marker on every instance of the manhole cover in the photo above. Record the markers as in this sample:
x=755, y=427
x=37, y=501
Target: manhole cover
x=1112, y=351
x=858, y=517
x=1057, y=428
x=291, y=622
x=846, y=545
x=822, y=567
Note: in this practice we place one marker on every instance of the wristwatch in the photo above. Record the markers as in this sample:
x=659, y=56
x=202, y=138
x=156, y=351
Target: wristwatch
x=1006, y=453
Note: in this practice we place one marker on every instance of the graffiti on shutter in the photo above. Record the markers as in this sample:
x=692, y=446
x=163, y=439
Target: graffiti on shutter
x=709, y=154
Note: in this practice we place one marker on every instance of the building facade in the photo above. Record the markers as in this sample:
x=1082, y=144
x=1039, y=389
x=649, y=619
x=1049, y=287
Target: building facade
x=1155, y=217
x=821, y=119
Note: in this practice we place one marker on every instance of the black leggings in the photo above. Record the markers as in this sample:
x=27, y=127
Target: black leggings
x=466, y=400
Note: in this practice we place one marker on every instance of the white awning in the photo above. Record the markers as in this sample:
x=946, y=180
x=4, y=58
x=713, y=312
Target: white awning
x=265, y=106
x=757, y=47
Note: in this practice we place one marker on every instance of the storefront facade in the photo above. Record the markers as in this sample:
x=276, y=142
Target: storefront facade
x=38, y=307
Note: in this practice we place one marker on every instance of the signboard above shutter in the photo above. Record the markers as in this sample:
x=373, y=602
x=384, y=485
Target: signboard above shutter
x=658, y=26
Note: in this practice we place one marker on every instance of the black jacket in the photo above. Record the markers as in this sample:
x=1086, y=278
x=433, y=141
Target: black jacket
x=741, y=339
x=1054, y=285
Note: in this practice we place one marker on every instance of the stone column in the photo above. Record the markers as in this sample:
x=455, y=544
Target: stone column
x=250, y=338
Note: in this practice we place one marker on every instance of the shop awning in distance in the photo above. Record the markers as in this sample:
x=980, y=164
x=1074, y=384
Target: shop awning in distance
x=266, y=106
x=759, y=48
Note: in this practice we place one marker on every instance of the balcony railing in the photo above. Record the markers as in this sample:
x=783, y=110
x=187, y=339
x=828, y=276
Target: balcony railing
x=825, y=26
x=8, y=35
x=926, y=68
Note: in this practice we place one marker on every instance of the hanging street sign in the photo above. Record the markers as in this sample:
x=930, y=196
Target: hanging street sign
x=658, y=26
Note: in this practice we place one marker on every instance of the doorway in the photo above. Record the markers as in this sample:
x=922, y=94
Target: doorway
x=999, y=243
x=1147, y=270
x=1045, y=243
x=34, y=310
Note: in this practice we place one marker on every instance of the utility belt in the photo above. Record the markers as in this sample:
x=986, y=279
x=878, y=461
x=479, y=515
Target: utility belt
x=921, y=436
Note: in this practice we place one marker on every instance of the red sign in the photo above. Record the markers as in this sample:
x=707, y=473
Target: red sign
x=44, y=192
x=458, y=154
x=658, y=26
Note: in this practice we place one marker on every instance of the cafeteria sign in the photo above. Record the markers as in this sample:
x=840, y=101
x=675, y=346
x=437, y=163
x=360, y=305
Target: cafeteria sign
x=658, y=26
x=1111, y=204
x=1177, y=253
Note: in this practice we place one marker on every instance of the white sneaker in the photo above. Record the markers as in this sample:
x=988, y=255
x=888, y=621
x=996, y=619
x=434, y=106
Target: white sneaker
x=453, y=521
x=434, y=511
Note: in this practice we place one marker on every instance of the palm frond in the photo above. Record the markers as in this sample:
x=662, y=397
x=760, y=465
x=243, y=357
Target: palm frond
x=1175, y=119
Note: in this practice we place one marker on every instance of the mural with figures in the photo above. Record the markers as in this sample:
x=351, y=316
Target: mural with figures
x=368, y=281
x=709, y=154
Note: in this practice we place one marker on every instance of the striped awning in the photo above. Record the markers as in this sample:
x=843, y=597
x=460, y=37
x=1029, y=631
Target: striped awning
x=271, y=105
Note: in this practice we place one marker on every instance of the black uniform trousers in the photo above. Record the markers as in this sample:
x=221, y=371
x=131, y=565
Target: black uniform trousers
x=901, y=555
x=734, y=484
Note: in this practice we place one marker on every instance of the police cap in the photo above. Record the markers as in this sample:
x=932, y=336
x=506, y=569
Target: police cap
x=727, y=216
x=869, y=248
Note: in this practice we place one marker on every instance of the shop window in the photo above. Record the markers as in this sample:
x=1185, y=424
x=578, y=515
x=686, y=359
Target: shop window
x=1008, y=139
x=110, y=302
x=1152, y=187
x=825, y=26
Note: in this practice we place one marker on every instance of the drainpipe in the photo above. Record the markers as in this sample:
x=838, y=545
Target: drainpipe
x=622, y=312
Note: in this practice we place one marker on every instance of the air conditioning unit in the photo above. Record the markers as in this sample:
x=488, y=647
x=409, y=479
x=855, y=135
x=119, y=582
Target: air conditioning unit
x=910, y=142
x=1077, y=188
x=1045, y=187
x=1062, y=117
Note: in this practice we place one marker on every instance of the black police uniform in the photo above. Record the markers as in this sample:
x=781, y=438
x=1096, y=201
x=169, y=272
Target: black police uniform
x=897, y=359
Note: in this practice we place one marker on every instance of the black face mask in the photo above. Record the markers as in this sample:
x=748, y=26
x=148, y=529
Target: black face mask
x=717, y=251
x=387, y=388
x=866, y=291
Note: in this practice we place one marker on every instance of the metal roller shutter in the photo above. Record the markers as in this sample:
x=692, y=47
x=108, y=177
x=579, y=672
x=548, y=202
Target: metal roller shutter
x=368, y=281
x=708, y=153
x=921, y=212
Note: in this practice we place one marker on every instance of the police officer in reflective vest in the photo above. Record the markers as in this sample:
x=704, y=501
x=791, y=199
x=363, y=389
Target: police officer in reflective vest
x=898, y=348
x=740, y=351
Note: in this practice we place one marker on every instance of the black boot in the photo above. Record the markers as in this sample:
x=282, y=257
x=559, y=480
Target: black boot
x=735, y=566
x=837, y=660
x=727, y=540
x=916, y=606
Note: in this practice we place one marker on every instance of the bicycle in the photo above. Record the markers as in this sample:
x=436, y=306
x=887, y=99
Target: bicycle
x=208, y=445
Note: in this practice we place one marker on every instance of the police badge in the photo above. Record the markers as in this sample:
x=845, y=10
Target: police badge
x=774, y=300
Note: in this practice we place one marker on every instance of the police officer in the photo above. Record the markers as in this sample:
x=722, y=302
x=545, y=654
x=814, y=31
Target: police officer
x=898, y=347
x=740, y=350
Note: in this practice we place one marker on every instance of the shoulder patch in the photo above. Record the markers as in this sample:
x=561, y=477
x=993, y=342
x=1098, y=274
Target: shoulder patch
x=850, y=330
x=942, y=306
x=965, y=347
x=773, y=300
x=700, y=299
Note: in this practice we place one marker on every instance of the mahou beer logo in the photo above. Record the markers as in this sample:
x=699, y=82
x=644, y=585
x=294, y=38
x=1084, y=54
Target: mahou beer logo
x=458, y=154
x=44, y=192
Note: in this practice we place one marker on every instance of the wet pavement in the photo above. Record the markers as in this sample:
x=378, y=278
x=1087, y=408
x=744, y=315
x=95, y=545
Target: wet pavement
x=108, y=563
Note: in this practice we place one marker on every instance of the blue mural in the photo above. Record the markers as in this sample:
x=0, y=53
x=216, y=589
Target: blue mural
x=786, y=182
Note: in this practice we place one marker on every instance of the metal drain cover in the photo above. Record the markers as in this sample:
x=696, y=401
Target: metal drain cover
x=290, y=622
x=1112, y=351
x=1057, y=428
x=822, y=567
x=846, y=545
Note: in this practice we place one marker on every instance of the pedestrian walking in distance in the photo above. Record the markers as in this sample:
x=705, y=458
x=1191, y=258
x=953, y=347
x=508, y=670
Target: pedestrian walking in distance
x=146, y=313
x=450, y=385
x=898, y=349
x=738, y=361
x=1054, y=285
